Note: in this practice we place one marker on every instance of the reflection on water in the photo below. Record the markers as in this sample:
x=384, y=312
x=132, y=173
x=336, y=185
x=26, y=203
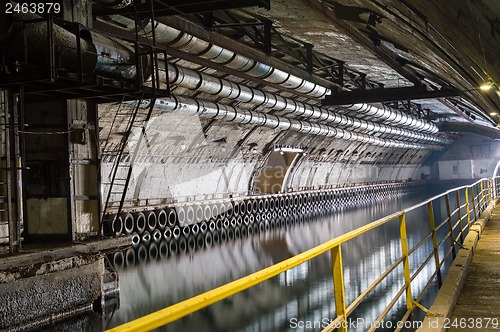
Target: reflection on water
x=304, y=293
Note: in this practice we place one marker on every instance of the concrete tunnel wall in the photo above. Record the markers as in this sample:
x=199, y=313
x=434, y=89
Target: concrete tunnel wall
x=183, y=155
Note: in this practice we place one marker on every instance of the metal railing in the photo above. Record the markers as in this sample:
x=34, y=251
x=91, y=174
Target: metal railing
x=445, y=236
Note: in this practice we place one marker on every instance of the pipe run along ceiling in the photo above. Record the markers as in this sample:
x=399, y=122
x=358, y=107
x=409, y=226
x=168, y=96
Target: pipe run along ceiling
x=298, y=101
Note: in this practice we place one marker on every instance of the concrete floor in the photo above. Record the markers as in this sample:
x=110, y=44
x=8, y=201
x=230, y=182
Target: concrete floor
x=479, y=298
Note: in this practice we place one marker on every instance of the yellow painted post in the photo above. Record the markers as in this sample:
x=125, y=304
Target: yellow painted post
x=406, y=260
x=338, y=285
x=473, y=202
x=482, y=195
x=459, y=214
x=450, y=225
x=467, y=207
x=434, y=242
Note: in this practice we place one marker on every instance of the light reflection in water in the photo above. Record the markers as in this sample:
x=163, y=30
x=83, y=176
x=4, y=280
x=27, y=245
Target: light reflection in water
x=304, y=292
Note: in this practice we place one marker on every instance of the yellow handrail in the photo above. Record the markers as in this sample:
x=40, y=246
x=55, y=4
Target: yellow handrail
x=181, y=309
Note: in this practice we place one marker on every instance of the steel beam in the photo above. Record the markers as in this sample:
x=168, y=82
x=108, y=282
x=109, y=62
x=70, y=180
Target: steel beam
x=385, y=94
x=176, y=7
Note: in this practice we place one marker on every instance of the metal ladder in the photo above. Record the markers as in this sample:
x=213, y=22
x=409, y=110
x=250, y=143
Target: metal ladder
x=121, y=171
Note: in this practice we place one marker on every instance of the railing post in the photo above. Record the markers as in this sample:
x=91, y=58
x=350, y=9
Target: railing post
x=459, y=215
x=434, y=242
x=473, y=202
x=467, y=207
x=481, y=187
x=338, y=286
x=406, y=261
x=450, y=225
x=489, y=191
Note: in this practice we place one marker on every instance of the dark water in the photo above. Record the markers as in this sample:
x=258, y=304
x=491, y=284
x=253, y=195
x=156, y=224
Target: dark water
x=298, y=298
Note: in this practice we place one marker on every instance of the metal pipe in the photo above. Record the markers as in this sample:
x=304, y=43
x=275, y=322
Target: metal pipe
x=100, y=55
x=190, y=106
x=193, y=45
x=393, y=115
x=191, y=79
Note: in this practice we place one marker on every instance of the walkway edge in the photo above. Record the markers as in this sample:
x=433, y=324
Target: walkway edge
x=449, y=292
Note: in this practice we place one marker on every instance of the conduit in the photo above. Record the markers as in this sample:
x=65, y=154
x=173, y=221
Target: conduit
x=190, y=106
x=194, y=80
x=108, y=57
x=193, y=45
x=392, y=115
x=100, y=55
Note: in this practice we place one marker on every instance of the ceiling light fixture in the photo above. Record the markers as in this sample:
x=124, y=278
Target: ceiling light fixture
x=282, y=149
x=485, y=87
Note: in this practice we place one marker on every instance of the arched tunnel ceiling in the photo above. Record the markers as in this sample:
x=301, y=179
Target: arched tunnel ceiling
x=441, y=43
x=394, y=43
x=312, y=48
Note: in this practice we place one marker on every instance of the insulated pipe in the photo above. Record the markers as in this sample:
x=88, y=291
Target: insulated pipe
x=100, y=55
x=193, y=45
x=191, y=79
x=392, y=115
x=190, y=106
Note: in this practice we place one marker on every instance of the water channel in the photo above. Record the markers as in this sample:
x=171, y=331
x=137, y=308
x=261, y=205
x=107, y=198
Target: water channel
x=299, y=298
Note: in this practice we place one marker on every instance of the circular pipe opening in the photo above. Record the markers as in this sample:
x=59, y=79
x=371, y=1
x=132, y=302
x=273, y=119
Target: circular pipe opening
x=136, y=239
x=172, y=217
x=167, y=234
x=152, y=221
x=140, y=222
x=161, y=217
x=128, y=223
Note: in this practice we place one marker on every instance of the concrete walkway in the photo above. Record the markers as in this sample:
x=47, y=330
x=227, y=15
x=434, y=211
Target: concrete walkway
x=480, y=295
x=469, y=299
